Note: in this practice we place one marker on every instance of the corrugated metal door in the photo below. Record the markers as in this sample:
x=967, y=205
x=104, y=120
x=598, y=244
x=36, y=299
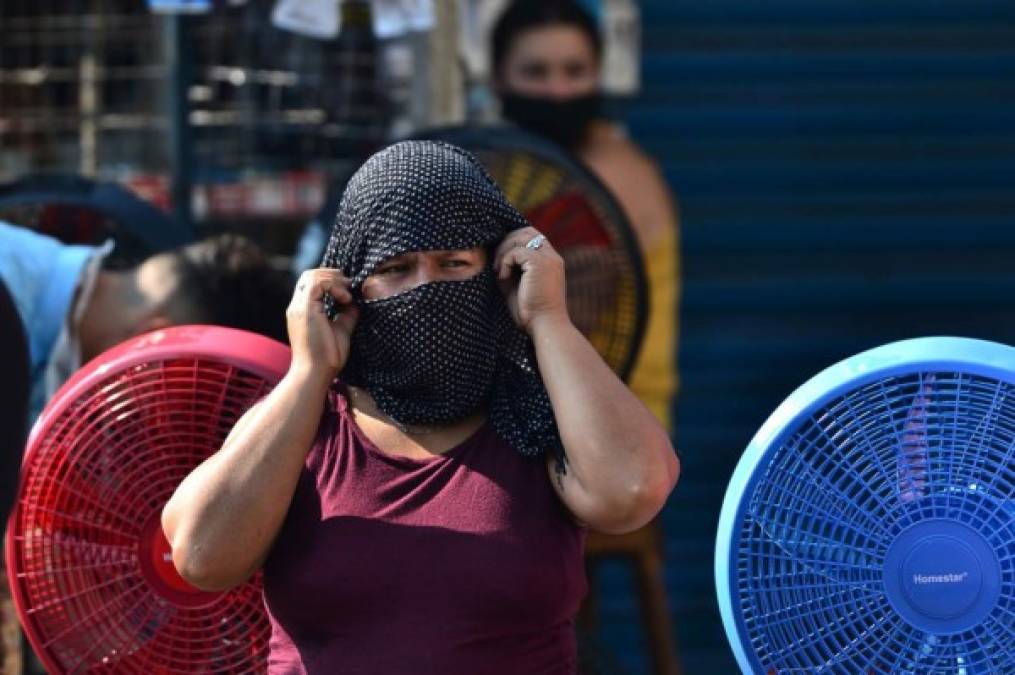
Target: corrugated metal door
x=846, y=174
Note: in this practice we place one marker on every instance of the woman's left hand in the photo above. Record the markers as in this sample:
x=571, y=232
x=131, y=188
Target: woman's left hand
x=531, y=275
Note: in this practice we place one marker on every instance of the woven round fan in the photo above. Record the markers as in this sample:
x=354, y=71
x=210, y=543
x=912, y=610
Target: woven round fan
x=89, y=566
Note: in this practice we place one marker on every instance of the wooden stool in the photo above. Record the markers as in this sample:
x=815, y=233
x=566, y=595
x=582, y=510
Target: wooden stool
x=644, y=549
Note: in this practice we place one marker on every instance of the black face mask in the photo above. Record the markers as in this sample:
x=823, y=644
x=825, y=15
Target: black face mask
x=428, y=355
x=565, y=122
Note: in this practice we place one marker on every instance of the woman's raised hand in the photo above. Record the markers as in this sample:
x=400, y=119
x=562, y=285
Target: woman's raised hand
x=318, y=344
x=531, y=275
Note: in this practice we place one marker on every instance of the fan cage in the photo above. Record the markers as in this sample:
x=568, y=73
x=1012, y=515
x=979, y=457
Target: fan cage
x=104, y=459
x=881, y=443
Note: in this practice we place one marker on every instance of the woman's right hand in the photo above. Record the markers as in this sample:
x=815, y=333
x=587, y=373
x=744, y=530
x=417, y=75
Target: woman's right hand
x=318, y=344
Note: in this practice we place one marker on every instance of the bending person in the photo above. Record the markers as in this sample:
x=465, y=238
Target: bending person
x=73, y=309
x=425, y=512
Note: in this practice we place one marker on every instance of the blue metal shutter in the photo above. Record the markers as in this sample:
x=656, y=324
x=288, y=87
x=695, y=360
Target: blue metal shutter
x=846, y=177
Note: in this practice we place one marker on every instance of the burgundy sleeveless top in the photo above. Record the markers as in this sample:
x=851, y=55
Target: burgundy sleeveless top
x=466, y=562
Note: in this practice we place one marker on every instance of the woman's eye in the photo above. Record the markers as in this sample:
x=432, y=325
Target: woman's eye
x=456, y=263
x=535, y=71
x=393, y=269
x=576, y=71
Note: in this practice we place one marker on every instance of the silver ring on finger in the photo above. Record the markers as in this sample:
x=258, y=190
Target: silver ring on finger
x=536, y=242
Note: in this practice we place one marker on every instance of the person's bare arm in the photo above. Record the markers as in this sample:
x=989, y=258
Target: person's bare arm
x=224, y=516
x=621, y=466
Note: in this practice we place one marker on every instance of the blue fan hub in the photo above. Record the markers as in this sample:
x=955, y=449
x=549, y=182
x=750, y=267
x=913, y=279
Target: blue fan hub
x=942, y=576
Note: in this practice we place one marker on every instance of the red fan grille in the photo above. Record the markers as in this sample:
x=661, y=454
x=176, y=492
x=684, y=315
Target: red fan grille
x=88, y=564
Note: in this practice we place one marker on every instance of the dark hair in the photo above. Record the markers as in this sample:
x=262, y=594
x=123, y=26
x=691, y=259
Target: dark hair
x=227, y=280
x=524, y=15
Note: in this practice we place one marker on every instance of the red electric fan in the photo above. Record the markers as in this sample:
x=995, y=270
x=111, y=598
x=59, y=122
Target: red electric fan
x=88, y=564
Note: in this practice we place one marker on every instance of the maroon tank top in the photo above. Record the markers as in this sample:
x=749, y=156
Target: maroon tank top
x=466, y=562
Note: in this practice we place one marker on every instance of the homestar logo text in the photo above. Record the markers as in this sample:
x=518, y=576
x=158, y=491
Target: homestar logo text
x=949, y=578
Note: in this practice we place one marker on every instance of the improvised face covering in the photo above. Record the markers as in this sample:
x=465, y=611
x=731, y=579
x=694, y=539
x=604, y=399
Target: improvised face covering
x=438, y=352
x=565, y=122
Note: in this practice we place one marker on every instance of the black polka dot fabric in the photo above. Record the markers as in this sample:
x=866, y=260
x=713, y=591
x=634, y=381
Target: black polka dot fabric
x=427, y=355
x=438, y=352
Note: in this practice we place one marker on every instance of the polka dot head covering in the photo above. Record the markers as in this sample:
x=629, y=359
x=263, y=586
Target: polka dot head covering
x=437, y=353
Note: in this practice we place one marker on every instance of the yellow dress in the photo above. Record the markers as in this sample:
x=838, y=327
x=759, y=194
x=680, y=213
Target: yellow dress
x=654, y=379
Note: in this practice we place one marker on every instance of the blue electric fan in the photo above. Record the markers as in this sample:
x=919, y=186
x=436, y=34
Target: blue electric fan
x=870, y=524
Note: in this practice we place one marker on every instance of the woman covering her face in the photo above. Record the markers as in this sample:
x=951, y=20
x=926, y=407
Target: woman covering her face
x=418, y=485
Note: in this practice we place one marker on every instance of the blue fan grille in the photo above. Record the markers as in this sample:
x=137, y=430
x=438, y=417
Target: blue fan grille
x=853, y=476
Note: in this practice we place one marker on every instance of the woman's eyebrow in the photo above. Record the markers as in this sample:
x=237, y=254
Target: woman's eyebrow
x=449, y=253
x=400, y=260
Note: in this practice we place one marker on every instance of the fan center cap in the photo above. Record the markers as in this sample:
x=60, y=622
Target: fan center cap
x=942, y=576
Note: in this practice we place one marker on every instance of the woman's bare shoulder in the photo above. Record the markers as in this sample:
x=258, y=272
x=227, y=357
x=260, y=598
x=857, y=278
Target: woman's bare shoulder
x=611, y=151
x=632, y=175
